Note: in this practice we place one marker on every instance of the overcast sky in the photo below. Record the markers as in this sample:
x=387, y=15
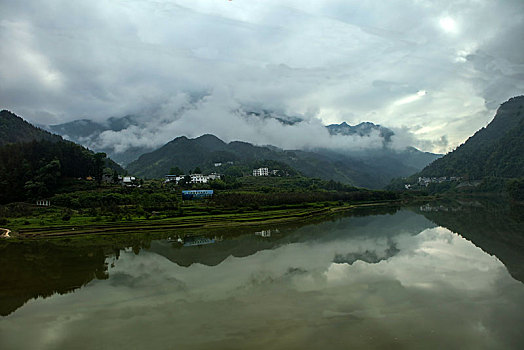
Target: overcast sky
x=435, y=71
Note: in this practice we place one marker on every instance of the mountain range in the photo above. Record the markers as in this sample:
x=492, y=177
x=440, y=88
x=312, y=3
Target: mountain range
x=88, y=133
x=372, y=168
x=374, y=171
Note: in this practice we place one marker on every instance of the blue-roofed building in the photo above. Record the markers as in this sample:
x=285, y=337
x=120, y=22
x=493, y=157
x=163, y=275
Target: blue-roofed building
x=197, y=194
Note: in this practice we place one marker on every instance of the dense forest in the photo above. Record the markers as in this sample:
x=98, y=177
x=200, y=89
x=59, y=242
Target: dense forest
x=36, y=169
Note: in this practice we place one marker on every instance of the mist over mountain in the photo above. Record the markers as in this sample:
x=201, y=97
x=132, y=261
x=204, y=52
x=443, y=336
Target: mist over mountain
x=126, y=138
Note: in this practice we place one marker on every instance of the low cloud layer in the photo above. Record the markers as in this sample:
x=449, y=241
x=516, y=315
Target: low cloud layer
x=437, y=70
x=231, y=122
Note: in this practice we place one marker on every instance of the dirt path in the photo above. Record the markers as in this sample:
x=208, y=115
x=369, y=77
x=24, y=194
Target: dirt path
x=5, y=233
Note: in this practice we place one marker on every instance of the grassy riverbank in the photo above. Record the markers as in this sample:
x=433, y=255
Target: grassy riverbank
x=166, y=224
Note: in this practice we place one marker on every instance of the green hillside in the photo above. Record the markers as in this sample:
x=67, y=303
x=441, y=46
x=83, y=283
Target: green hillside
x=494, y=151
x=34, y=163
x=14, y=129
x=375, y=170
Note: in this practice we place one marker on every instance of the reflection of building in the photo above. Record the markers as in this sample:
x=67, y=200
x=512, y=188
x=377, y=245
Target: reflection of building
x=266, y=233
x=263, y=233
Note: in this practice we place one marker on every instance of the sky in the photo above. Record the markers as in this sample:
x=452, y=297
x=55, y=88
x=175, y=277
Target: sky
x=433, y=71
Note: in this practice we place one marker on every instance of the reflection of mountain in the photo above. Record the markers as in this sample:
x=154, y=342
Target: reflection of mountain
x=494, y=226
x=43, y=269
x=361, y=224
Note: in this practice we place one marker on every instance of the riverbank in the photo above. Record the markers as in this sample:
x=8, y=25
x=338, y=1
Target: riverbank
x=208, y=221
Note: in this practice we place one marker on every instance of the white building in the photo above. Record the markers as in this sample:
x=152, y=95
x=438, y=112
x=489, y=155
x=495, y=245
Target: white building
x=261, y=172
x=195, y=178
x=128, y=180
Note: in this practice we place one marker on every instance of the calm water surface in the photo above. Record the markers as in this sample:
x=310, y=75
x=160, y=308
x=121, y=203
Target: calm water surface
x=433, y=277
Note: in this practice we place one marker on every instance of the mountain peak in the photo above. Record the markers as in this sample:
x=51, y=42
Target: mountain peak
x=362, y=129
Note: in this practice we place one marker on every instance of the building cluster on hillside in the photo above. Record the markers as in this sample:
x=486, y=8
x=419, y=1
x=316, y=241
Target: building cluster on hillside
x=265, y=172
x=426, y=181
x=195, y=178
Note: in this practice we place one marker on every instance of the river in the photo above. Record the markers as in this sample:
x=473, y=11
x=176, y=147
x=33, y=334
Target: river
x=434, y=276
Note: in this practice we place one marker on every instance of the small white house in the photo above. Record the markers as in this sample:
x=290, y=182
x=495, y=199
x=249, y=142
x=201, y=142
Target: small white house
x=43, y=203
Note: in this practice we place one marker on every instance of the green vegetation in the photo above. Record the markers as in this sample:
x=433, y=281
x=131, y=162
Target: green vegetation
x=372, y=170
x=515, y=189
x=158, y=206
x=35, y=170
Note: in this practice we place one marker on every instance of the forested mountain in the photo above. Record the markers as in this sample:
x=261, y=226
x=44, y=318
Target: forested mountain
x=33, y=165
x=14, y=129
x=373, y=172
x=495, y=151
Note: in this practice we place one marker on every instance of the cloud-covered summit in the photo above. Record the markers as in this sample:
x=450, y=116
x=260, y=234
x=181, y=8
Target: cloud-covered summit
x=437, y=70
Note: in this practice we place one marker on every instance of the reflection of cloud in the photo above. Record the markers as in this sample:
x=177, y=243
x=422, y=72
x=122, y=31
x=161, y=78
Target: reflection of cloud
x=293, y=296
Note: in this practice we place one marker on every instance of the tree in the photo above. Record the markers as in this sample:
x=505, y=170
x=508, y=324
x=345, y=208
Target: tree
x=115, y=177
x=197, y=171
x=99, y=166
x=175, y=171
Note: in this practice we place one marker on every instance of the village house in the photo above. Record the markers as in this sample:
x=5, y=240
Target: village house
x=129, y=181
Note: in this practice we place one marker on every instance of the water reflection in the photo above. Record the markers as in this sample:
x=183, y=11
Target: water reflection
x=496, y=226
x=383, y=281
